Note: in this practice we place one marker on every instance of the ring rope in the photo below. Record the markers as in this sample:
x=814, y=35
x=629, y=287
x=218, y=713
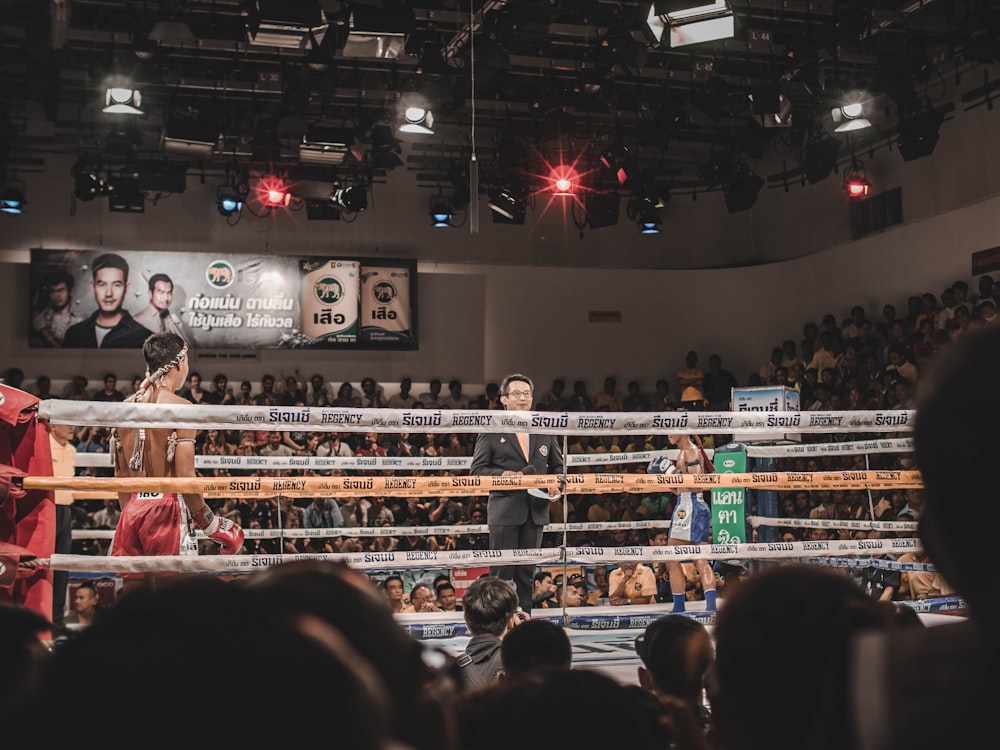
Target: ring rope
x=209, y=461
x=482, y=485
x=535, y=556
x=332, y=419
x=481, y=528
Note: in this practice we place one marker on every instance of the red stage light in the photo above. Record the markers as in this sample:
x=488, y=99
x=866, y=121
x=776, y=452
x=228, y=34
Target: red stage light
x=857, y=188
x=563, y=179
x=274, y=192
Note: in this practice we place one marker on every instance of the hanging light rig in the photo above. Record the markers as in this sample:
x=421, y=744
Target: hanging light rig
x=856, y=183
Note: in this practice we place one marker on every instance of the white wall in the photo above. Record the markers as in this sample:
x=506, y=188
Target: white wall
x=479, y=322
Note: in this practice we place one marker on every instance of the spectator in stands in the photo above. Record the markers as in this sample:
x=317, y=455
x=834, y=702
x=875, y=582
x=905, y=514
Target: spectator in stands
x=635, y=399
x=691, y=382
x=422, y=598
x=936, y=683
x=608, y=399
x=319, y=391
x=677, y=653
x=580, y=400
x=789, y=614
x=446, y=599
x=490, y=398
x=631, y=583
x=87, y=607
x=267, y=396
x=322, y=513
x=395, y=593
x=24, y=656
x=403, y=399
x=372, y=394
x=109, y=392
x=719, y=384
x=432, y=398
x=532, y=647
x=419, y=678
x=767, y=370
x=292, y=392
x=455, y=398
x=554, y=399
x=490, y=611
x=154, y=640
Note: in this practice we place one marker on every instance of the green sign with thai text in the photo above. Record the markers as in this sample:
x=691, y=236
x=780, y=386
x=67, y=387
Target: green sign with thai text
x=728, y=512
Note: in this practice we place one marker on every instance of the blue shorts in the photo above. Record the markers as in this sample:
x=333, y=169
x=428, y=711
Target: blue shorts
x=692, y=519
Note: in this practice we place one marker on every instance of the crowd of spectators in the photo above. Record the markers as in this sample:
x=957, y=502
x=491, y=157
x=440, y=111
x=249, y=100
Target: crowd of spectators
x=862, y=362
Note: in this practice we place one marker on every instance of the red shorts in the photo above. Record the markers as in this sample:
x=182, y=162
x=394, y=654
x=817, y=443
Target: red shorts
x=153, y=524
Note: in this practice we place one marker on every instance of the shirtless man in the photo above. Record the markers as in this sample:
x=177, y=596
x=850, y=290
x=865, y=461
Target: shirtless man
x=691, y=523
x=154, y=523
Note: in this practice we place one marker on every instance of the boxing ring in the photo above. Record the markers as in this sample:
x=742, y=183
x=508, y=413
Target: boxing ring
x=600, y=634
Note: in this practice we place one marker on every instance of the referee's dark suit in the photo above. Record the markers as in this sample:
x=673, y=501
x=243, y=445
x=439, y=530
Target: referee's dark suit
x=514, y=517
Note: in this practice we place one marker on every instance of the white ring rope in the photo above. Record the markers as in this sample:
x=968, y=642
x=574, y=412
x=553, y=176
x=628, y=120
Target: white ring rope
x=330, y=419
x=208, y=461
x=537, y=556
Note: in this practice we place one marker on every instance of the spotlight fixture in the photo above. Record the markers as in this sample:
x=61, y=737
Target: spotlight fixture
x=326, y=145
x=273, y=192
x=820, y=156
x=417, y=120
x=856, y=184
x=918, y=133
x=441, y=213
x=88, y=183
x=645, y=212
x=690, y=21
x=506, y=206
x=852, y=115
x=124, y=193
x=228, y=200
x=563, y=180
x=741, y=189
x=354, y=198
x=12, y=200
x=286, y=24
x=378, y=33
x=121, y=99
x=602, y=209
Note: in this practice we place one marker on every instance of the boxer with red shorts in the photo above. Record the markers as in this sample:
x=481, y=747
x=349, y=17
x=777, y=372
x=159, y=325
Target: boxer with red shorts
x=158, y=523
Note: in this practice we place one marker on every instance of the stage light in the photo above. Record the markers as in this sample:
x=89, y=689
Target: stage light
x=122, y=99
x=820, y=157
x=354, y=198
x=563, y=180
x=852, y=115
x=856, y=183
x=273, y=192
x=918, y=133
x=12, y=201
x=441, y=213
x=646, y=215
x=742, y=188
x=690, y=22
x=507, y=207
x=228, y=200
x=417, y=120
x=602, y=209
x=88, y=183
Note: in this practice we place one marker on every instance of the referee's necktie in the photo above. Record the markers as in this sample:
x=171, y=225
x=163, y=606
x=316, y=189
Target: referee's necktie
x=522, y=438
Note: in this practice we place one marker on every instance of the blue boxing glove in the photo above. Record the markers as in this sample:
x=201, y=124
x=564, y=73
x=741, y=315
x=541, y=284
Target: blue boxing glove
x=661, y=465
